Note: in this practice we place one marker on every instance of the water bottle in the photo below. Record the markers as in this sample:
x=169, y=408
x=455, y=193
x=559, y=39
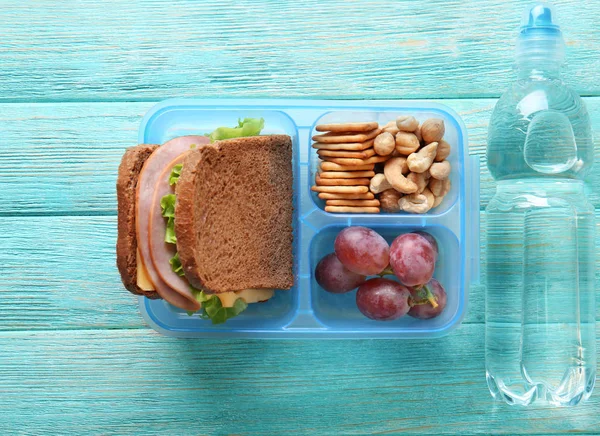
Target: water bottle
x=540, y=303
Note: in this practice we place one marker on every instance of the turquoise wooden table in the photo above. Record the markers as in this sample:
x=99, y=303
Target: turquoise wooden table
x=75, y=80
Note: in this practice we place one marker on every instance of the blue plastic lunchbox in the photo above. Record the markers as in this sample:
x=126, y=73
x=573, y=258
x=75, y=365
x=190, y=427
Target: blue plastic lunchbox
x=307, y=311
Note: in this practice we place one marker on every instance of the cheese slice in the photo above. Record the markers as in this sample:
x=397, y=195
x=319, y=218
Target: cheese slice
x=253, y=295
x=143, y=280
x=248, y=295
x=227, y=298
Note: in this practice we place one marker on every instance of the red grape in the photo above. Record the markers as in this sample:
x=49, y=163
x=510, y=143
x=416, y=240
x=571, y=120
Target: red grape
x=362, y=250
x=383, y=299
x=432, y=241
x=426, y=310
x=412, y=259
x=334, y=277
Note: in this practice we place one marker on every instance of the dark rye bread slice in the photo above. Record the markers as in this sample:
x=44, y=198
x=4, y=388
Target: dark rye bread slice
x=233, y=217
x=127, y=179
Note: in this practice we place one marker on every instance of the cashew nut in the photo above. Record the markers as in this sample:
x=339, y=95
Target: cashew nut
x=443, y=150
x=391, y=128
x=407, y=143
x=421, y=161
x=407, y=123
x=418, y=134
x=393, y=170
x=389, y=199
x=419, y=179
x=379, y=184
x=384, y=144
x=414, y=203
x=430, y=197
x=436, y=186
x=440, y=170
x=439, y=187
x=447, y=186
x=402, y=160
x=433, y=130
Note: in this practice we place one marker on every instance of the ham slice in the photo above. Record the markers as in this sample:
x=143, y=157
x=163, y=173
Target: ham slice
x=152, y=170
x=160, y=251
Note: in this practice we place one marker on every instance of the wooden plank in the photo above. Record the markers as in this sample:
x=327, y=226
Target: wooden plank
x=63, y=158
x=123, y=381
x=60, y=273
x=139, y=49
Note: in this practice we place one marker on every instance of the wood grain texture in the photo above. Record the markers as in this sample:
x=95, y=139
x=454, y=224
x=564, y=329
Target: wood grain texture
x=49, y=152
x=135, y=381
x=59, y=273
x=151, y=49
x=63, y=158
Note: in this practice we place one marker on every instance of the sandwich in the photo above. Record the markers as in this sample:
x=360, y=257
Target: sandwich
x=205, y=222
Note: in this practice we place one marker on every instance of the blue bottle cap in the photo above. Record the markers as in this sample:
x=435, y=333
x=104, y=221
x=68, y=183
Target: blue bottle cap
x=539, y=18
x=540, y=37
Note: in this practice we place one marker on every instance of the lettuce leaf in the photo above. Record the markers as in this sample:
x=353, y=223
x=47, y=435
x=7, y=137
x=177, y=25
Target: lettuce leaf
x=245, y=127
x=170, y=233
x=213, y=309
x=175, y=173
x=176, y=265
x=167, y=205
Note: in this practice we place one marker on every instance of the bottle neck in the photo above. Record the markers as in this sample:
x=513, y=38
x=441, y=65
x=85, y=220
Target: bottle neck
x=538, y=70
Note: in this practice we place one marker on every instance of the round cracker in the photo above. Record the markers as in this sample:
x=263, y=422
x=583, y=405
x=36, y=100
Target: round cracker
x=349, y=146
x=364, y=154
x=332, y=166
x=332, y=196
x=342, y=182
x=345, y=161
x=346, y=174
x=352, y=202
x=338, y=138
x=347, y=127
x=351, y=209
x=341, y=189
x=357, y=162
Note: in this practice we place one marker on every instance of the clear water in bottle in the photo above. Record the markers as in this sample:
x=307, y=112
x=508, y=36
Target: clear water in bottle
x=540, y=290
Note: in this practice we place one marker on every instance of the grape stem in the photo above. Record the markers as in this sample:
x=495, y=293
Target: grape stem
x=429, y=297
